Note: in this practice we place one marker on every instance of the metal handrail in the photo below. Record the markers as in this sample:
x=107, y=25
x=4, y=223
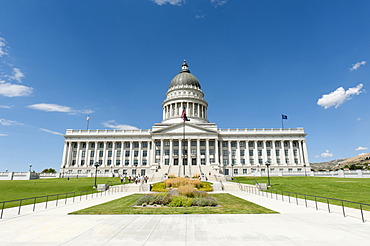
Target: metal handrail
x=58, y=197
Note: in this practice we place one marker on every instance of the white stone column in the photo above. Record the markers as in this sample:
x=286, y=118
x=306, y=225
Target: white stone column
x=162, y=153
x=229, y=151
x=300, y=150
x=87, y=154
x=78, y=155
x=246, y=154
x=198, y=151
x=305, y=157
x=65, y=152
x=151, y=152
x=180, y=153
x=131, y=154
x=189, y=152
x=273, y=153
x=238, y=161
x=264, y=152
x=282, y=153
x=291, y=156
x=255, y=153
x=171, y=153
x=114, y=154
x=207, y=152
x=122, y=158
x=217, y=156
x=140, y=155
x=105, y=155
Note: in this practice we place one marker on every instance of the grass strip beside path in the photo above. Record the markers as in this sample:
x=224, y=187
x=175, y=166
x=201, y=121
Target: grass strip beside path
x=229, y=205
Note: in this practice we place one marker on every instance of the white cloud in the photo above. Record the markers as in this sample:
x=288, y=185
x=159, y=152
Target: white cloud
x=218, y=3
x=357, y=65
x=17, y=75
x=5, y=122
x=360, y=148
x=358, y=119
x=58, y=108
x=339, y=96
x=5, y=106
x=50, y=131
x=362, y=154
x=3, y=135
x=326, y=154
x=172, y=2
x=13, y=90
x=200, y=16
x=113, y=124
x=2, y=47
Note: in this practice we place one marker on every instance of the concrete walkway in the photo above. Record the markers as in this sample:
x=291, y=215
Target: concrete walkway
x=295, y=225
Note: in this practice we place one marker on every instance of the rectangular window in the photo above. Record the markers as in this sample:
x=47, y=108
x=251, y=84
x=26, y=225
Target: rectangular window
x=224, y=144
x=242, y=144
x=184, y=143
x=250, y=152
x=101, y=145
x=245, y=171
x=127, y=153
x=226, y=171
x=202, y=161
x=212, y=160
x=226, y=161
x=290, y=170
x=175, y=162
x=118, y=162
x=294, y=152
x=127, y=162
x=136, y=144
x=101, y=153
x=202, y=143
x=251, y=144
x=225, y=152
x=118, y=145
x=83, y=153
x=116, y=171
x=193, y=152
x=242, y=161
x=259, y=152
x=259, y=144
x=136, y=153
x=100, y=162
x=88, y=171
x=211, y=151
x=287, y=160
x=74, y=153
x=194, y=161
x=233, y=152
x=145, y=145
x=236, y=171
x=145, y=153
x=295, y=144
x=127, y=145
x=109, y=153
x=79, y=171
x=184, y=151
x=158, y=144
x=277, y=152
x=118, y=153
x=175, y=143
x=286, y=144
x=233, y=144
x=110, y=145
x=278, y=160
x=175, y=152
x=242, y=152
x=211, y=143
x=91, y=162
x=92, y=153
x=260, y=161
x=166, y=152
x=167, y=161
x=109, y=162
x=268, y=152
x=277, y=144
x=268, y=144
x=144, y=162
x=202, y=152
x=166, y=143
x=233, y=161
x=193, y=143
x=296, y=161
x=75, y=145
x=92, y=145
x=286, y=152
x=82, y=162
x=136, y=162
x=124, y=171
x=142, y=172
x=299, y=169
x=157, y=152
x=133, y=172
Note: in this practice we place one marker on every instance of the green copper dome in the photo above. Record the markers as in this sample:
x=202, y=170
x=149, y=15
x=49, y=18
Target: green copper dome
x=184, y=78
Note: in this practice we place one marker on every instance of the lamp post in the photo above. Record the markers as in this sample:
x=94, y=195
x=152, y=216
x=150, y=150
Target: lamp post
x=96, y=172
x=232, y=170
x=63, y=171
x=30, y=167
x=268, y=173
x=304, y=167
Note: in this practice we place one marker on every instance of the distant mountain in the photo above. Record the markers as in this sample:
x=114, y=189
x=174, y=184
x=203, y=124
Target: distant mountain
x=358, y=162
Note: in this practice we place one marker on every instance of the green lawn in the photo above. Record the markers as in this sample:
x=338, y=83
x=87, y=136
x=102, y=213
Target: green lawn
x=19, y=189
x=229, y=205
x=357, y=190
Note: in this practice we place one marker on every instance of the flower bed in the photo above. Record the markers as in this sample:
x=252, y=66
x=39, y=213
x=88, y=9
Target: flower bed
x=177, y=182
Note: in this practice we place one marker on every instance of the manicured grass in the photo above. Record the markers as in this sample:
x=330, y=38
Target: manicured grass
x=19, y=189
x=229, y=205
x=357, y=190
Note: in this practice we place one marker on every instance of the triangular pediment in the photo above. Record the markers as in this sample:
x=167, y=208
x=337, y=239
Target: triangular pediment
x=189, y=129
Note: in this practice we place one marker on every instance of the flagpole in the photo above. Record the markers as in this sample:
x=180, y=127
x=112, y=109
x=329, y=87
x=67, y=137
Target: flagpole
x=88, y=121
x=183, y=148
x=282, y=122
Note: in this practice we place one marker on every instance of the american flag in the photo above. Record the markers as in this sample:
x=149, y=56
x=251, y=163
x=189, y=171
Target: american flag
x=183, y=115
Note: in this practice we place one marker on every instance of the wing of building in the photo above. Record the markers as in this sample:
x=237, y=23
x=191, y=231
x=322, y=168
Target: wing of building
x=184, y=148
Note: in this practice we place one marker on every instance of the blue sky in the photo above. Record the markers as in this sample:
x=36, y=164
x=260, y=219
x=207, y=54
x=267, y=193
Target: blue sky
x=113, y=60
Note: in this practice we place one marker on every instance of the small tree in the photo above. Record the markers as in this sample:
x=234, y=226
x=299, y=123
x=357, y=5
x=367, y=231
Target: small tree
x=50, y=170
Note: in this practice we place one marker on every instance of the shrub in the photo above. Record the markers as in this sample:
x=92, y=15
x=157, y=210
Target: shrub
x=186, y=190
x=200, y=193
x=177, y=182
x=205, y=186
x=158, y=187
x=171, y=176
x=162, y=199
x=144, y=199
x=196, y=176
x=181, y=201
x=205, y=202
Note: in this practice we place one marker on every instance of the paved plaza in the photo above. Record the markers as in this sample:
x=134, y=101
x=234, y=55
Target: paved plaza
x=295, y=225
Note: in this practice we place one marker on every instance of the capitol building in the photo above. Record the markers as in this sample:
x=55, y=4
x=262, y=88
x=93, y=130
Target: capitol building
x=184, y=148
